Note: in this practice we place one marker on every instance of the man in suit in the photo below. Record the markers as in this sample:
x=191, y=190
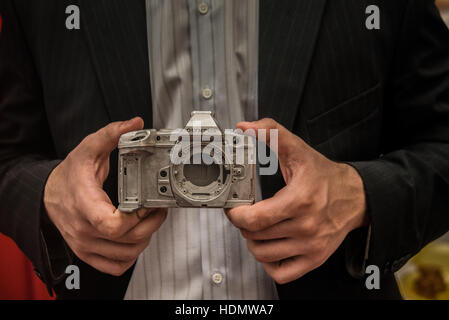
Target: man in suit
x=363, y=120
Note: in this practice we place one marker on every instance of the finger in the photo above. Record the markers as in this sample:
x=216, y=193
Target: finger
x=281, y=230
x=102, y=264
x=290, y=269
x=108, y=221
x=118, y=251
x=105, y=140
x=266, y=213
x=110, y=250
x=76, y=228
x=302, y=225
x=275, y=250
x=146, y=227
x=285, y=142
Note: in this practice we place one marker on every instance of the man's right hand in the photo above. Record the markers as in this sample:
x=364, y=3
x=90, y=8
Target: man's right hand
x=97, y=232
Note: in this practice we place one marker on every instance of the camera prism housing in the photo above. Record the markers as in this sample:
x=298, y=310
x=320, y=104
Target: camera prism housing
x=200, y=166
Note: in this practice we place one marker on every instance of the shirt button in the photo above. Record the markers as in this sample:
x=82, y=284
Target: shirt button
x=217, y=278
x=207, y=93
x=203, y=8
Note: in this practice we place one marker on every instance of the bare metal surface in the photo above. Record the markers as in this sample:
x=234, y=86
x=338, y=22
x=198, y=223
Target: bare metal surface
x=149, y=179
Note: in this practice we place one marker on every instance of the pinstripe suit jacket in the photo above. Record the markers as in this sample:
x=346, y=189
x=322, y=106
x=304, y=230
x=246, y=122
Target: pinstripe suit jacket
x=378, y=99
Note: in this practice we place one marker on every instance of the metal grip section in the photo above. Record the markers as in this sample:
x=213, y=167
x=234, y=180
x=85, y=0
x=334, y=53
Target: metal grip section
x=130, y=193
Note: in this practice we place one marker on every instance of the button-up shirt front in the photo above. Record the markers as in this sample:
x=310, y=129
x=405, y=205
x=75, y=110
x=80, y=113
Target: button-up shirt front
x=203, y=56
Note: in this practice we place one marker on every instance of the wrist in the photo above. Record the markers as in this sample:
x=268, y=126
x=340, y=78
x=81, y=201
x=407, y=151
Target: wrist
x=356, y=193
x=49, y=200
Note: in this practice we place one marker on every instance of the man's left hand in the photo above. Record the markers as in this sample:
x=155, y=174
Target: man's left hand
x=304, y=223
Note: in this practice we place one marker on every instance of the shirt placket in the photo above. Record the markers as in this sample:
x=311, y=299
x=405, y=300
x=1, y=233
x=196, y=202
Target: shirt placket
x=203, y=69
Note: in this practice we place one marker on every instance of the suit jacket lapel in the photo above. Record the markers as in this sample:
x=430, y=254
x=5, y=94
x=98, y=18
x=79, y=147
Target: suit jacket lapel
x=116, y=35
x=288, y=32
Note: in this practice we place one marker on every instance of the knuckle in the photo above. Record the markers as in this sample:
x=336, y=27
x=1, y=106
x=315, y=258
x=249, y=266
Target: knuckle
x=78, y=228
x=111, y=229
x=309, y=226
x=79, y=245
x=245, y=234
x=269, y=121
x=77, y=249
x=109, y=131
x=117, y=269
x=272, y=122
x=252, y=222
x=161, y=217
x=80, y=254
x=258, y=252
x=138, y=250
x=251, y=246
x=306, y=199
x=112, y=232
x=97, y=221
x=281, y=280
x=320, y=202
x=246, y=221
x=278, y=275
x=70, y=203
x=138, y=236
x=232, y=217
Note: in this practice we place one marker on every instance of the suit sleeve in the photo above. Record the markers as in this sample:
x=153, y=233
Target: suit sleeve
x=407, y=188
x=26, y=149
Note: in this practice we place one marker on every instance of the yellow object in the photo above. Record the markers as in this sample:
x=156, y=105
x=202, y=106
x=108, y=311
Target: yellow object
x=435, y=255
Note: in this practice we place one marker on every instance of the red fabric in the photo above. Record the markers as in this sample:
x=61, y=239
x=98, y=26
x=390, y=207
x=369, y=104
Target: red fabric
x=17, y=279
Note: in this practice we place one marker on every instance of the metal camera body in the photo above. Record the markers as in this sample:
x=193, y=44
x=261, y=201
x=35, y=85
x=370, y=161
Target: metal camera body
x=149, y=178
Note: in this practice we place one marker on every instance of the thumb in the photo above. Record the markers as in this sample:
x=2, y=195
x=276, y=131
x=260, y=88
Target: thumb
x=105, y=140
x=285, y=142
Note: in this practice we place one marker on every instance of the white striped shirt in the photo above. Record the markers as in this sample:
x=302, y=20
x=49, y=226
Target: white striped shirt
x=203, y=56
